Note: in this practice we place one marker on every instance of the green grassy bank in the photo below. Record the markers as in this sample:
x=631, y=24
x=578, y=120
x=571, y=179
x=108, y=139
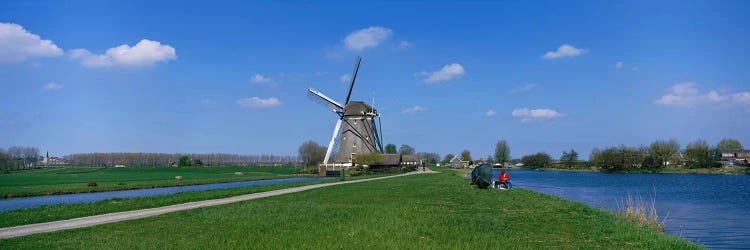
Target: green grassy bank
x=419, y=211
x=75, y=180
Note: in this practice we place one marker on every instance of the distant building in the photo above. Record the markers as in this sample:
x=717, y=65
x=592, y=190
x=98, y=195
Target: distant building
x=739, y=155
x=390, y=160
x=458, y=163
x=412, y=160
x=50, y=161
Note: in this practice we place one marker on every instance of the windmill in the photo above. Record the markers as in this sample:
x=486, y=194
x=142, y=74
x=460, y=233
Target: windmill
x=360, y=134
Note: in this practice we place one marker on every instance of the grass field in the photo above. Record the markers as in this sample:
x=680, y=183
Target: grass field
x=419, y=211
x=75, y=180
x=69, y=211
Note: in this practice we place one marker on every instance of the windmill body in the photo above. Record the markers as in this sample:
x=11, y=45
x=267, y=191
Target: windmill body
x=359, y=135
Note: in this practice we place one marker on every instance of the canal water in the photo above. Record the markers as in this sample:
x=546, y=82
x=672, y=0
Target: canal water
x=712, y=210
x=37, y=201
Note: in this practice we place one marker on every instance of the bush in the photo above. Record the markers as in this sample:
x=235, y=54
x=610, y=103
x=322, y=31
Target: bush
x=309, y=170
x=369, y=159
x=408, y=168
x=538, y=160
x=357, y=170
x=185, y=161
x=619, y=158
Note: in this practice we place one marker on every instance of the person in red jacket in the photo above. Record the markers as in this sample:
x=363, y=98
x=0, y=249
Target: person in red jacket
x=504, y=177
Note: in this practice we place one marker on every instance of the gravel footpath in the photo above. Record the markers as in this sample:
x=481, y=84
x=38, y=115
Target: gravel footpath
x=11, y=232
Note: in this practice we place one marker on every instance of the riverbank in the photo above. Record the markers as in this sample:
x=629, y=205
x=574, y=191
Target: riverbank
x=76, y=180
x=740, y=171
x=418, y=211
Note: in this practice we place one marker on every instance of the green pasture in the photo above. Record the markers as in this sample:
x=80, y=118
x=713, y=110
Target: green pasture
x=75, y=180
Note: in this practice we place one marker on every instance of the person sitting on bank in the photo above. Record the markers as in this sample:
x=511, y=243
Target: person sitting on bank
x=504, y=177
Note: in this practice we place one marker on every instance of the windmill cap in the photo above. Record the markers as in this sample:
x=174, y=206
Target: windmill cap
x=355, y=108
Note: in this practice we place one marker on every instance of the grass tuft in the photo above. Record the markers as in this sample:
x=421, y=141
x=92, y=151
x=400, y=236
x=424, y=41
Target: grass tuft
x=639, y=212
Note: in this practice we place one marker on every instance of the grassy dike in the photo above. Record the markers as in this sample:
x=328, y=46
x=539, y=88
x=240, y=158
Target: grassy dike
x=418, y=211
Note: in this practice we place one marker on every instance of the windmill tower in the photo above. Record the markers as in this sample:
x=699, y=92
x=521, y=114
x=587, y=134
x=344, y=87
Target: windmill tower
x=360, y=134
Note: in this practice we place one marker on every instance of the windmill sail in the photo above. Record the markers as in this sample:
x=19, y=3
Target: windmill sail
x=354, y=78
x=324, y=100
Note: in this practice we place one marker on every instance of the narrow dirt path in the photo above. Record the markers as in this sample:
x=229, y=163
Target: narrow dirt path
x=12, y=232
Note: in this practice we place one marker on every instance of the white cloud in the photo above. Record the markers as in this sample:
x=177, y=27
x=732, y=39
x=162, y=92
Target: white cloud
x=345, y=78
x=528, y=115
x=564, y=50
x=490, y=113
x=618, y=65
x=208, y=102
x=367, y=38
x=257, y=102
x=144, y=53
x=403, y=45
x=17, y=44
x=414, y=110
x=448, y=72
x=687, y=95
x=52, y=86
x=521, y=89
x=258, y=78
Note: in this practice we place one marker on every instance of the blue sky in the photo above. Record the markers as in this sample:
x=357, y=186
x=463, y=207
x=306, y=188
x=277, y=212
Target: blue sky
x=138, y=76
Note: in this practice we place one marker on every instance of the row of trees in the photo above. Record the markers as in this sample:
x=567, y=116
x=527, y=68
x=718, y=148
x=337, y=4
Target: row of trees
x=163, y=159
x=18, y=157
x=660, y=153
x=663, y=153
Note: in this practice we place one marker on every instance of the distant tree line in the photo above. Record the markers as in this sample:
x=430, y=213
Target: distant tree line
x=18, y=157
x=663, y=153
x=659, y=154
x=429, y=158
x=164, y=160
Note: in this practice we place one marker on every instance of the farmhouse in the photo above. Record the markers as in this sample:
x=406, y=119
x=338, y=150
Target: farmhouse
x=411, y=160
x=458, y=163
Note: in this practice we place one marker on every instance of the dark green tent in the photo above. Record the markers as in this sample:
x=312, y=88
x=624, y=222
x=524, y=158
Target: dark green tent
x=482, y=176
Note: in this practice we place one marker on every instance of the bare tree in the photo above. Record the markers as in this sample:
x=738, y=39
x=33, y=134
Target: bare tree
x=502, y=152
x=406, y=150
x=312, y=153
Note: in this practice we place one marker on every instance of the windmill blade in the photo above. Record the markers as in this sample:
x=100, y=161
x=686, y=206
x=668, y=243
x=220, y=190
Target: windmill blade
x=324, y=100
x=354, y=78
x=333, y=140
